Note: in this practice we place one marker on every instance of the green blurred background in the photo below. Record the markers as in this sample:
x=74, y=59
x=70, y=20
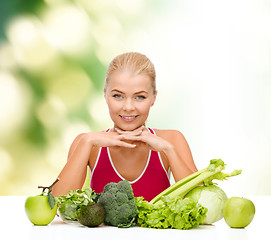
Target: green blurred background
x=213, y=75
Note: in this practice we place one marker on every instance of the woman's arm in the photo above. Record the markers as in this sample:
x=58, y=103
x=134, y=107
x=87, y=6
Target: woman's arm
x=179, y=155
x=73, y=174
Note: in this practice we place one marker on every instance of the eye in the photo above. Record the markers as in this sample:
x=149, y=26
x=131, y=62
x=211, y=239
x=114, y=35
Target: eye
x=140, y=97
x=117, y=96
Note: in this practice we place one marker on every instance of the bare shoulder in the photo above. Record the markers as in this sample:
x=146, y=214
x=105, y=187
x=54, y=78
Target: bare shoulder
x=170, y=135
x=177, y=139
x=78, y=138
x=75, y=143
x=94, y=151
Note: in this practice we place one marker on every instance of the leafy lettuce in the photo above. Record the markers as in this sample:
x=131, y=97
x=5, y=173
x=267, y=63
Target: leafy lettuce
x=173, y=213
x=69, y=205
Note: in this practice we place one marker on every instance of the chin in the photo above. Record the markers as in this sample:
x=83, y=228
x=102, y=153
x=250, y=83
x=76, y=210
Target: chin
x=127, y=127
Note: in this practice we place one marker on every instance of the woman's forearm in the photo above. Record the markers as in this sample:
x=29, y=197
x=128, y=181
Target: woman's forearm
x=73, y=174
x=177, y=165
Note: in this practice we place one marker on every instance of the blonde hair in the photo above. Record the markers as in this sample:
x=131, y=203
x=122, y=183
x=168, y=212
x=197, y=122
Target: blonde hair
x=135, y=62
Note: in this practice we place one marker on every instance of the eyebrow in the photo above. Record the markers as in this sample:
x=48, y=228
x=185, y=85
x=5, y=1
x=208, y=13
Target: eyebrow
x=116, y=90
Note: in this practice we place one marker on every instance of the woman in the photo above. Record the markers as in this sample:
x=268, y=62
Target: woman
x=129, y=150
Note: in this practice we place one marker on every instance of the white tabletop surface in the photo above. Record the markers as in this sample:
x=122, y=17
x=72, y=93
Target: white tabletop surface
x=14, y=224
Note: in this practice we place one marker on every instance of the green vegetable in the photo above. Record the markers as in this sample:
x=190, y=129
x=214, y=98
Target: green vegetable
x=211, y=197
x=69, y=205
x=205, y=176
x=119, y=203
x=91, y=215
x=175, y=213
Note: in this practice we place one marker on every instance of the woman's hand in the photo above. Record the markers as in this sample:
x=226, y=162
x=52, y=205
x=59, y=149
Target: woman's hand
x=179, y=158
x=111, y=139
x=153, y=141
x=106, y=139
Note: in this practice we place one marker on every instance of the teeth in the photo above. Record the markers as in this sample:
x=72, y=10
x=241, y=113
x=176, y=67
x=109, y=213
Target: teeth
x=128, y=117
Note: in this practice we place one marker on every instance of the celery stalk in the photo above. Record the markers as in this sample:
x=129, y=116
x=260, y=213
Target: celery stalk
x=205, y=176
x=177, y=185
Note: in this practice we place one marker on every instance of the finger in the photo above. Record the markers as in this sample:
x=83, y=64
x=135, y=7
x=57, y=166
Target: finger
x=128, y=145
x=141, y=128
x=122, y=132
x=139, y=132
x=121, y=139
x=132, y=137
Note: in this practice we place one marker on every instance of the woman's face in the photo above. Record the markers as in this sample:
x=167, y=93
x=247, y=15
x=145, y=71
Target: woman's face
x=129, y=98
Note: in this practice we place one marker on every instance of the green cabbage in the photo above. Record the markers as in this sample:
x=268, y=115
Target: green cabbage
x=211, y=197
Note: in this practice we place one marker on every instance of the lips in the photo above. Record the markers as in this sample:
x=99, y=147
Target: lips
x=128, y=118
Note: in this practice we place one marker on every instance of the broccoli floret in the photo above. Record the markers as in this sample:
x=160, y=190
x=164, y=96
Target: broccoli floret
x=106, y=199
x=125, y=187
x=121, y=198
x=119, y=203
x=109, y=186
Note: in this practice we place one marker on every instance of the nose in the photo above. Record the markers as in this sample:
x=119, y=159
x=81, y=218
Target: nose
x=128, y=105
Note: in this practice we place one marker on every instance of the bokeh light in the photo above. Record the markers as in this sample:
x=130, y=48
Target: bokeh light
x=14, y=104
x=53, y=60
x=69, y=29
x=212, y=61
x=31, y=48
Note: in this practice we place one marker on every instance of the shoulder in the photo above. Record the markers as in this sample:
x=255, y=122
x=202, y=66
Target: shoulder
x=79, y=138
x=173, y=136
x=75, y=143
x=168, y=133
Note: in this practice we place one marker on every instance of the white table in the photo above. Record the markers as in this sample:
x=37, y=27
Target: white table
x=14, y=224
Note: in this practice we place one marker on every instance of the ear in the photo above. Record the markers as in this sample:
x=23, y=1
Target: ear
x=154, y=97
x=104, y=91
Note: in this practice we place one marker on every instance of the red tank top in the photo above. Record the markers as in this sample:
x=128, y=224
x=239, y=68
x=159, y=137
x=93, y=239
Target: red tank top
x=152, y=181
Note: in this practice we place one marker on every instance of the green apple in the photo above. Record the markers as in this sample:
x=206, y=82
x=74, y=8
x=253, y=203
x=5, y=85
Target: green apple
x=41, y=209
x=238, y=212
x=38, y=210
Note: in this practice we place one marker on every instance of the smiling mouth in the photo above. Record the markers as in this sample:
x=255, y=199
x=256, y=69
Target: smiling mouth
x=128, y=118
